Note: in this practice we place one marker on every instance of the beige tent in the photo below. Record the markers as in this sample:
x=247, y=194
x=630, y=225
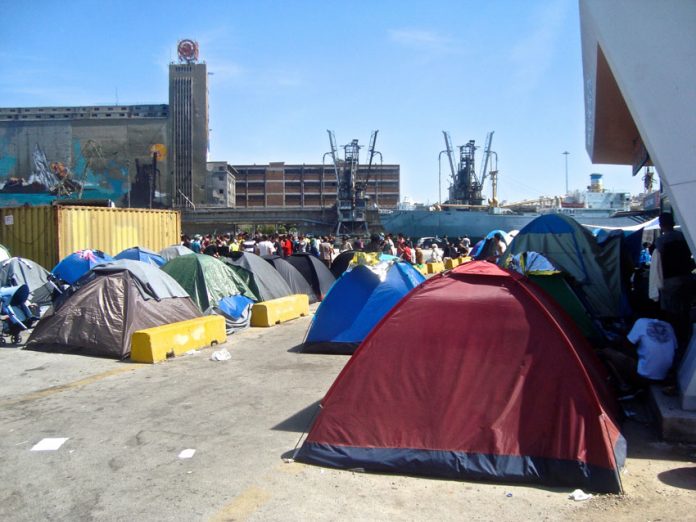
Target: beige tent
x=116, y=300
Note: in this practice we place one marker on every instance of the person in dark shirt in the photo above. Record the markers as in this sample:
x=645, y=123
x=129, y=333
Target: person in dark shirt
x=375, y=244
x=670, y=273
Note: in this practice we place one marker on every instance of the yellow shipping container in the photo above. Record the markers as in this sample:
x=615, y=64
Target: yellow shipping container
x=47, y=234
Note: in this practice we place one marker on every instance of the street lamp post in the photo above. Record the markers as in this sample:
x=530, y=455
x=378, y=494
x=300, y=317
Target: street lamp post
x=566, y=168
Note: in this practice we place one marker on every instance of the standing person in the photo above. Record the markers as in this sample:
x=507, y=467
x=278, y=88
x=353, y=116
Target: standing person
x=264, y=247
x=435, y=254
x=670, y=278
x=224, y=246
x=346, y=245
x=446, y=248
x=465, y=246
x=388, y=247
x=420, y=258
x=287, y=246
x=277, y=245
x=314, y=247
x=302, y=244
x=196, y=244
x=325, y=251
x=375, y=244
x=499, y=247
x=407, y=253
x=249, y=245
x=359, y=244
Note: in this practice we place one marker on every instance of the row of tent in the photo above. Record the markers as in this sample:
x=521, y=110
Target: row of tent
x=582, y=274
x=107, y=299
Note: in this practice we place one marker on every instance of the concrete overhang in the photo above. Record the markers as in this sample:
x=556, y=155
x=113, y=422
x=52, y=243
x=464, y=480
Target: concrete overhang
x=614, y=138
x=640, y=91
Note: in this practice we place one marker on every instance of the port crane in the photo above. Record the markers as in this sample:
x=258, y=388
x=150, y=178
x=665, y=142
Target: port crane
x=351, y=184
x=466, y=187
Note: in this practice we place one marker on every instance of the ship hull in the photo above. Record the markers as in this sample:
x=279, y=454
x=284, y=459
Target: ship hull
x=477, y=224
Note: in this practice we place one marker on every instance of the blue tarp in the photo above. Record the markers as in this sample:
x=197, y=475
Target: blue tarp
x=357, y=302
x=235, y=306
x=141, y=254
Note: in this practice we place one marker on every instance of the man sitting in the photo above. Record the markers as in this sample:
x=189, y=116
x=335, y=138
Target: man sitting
x=647, y=356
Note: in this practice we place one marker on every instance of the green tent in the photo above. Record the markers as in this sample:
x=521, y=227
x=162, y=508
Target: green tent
x=557, y=287
x=206, y=279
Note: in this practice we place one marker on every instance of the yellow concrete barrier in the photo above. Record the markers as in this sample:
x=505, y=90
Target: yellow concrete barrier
x=158, y=343
x=274, y=311
x=434, y=268
x=451, y=263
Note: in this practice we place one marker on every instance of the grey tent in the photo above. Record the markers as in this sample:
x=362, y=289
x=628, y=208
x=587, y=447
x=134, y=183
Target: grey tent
x=173, y=251
x=573, y=249
x=297, y=283
x=113, y=301
x=314, y=272
x=263, y=280
x=19, y=271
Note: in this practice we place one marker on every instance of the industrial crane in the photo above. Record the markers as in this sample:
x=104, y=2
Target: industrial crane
x=466, y=187
x=351, y=186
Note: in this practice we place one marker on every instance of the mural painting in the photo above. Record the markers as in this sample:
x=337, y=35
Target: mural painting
x=40, y=163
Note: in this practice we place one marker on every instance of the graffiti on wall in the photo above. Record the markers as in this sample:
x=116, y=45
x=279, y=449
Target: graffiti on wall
x=39, y=167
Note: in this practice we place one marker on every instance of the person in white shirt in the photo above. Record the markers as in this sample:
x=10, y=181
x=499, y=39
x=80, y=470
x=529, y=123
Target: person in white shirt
x=649, y=356
x=265, y=247
x=655, y=345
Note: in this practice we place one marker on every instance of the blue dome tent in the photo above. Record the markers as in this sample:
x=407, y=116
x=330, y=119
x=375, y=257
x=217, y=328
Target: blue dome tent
x=356, y=303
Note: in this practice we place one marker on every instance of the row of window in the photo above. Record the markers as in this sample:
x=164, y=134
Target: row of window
x=149, y=108
x=77, y=116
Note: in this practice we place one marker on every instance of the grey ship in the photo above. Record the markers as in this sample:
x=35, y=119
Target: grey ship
x=464, y=213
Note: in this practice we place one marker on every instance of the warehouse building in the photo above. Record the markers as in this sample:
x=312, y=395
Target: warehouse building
x=310, y=186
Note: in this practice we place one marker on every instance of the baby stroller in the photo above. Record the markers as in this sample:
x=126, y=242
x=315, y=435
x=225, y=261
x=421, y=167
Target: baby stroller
x=14, y=312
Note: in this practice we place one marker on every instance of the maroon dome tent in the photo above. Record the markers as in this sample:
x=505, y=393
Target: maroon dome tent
x=475, y=375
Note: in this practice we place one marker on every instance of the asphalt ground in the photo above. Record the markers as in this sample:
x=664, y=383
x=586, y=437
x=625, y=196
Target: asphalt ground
x=126, y=425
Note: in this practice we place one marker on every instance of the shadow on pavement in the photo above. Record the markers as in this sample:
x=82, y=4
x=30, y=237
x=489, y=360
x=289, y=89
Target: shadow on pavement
x=684, y=478
x=300, y=421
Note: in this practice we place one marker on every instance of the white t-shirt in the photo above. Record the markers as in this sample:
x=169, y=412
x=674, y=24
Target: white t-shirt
x=265, y=248
x=656, y=346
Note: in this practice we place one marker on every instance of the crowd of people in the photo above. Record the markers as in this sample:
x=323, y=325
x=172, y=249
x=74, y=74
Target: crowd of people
x=662, y=285
x=327, y=247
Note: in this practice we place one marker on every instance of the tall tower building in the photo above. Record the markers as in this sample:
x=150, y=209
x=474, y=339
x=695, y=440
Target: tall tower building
x=188, y=129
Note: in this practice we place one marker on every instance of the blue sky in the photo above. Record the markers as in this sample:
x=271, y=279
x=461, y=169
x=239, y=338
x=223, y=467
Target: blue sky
x=285, y=71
